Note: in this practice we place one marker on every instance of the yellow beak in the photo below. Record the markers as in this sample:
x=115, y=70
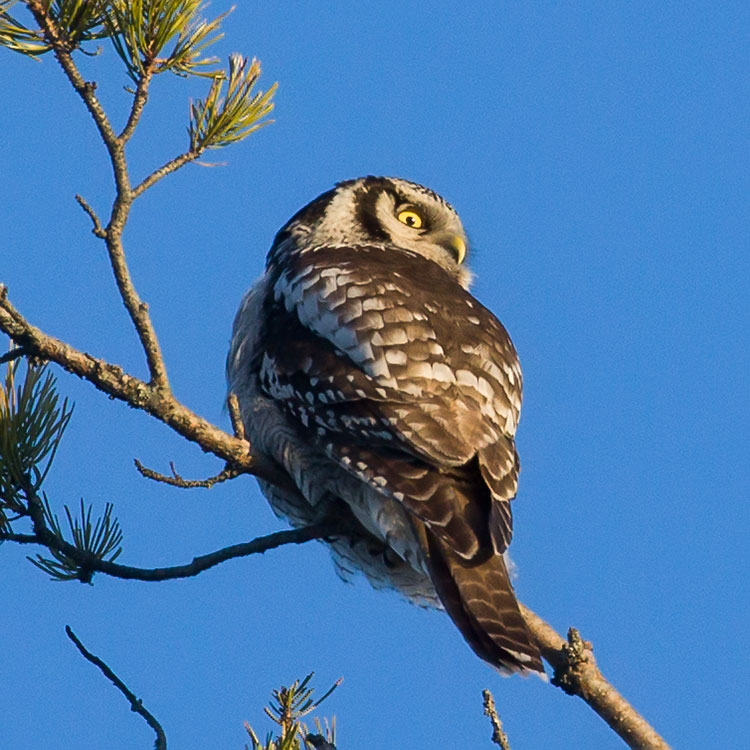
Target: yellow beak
x=458, y=244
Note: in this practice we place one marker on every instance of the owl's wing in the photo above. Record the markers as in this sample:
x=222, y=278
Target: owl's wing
x=396, y=372
x=408, y=383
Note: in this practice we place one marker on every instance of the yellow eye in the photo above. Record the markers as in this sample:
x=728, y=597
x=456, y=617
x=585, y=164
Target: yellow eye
x=410, y=218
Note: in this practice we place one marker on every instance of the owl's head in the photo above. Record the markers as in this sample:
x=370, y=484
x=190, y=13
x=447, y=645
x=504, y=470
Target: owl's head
x=385, y=211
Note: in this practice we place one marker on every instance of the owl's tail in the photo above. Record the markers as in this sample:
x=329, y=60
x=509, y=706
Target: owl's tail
x=479, y=598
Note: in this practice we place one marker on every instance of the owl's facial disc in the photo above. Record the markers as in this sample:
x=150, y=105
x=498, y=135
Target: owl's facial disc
x=390, y=212
x=415, y=219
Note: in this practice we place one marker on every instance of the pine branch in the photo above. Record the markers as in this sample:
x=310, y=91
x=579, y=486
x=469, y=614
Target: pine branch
x=83, y=563
x=115, y=146
x=140, y=32
x=288, y=707
x=113, y=381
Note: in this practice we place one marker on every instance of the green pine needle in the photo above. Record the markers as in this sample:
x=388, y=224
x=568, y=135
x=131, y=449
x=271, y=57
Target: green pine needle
x=101, y=539
x=287, y=707
x=218, y=120
x=77, y=21
x=32, y=423
x=17, y=37
x=142, y=30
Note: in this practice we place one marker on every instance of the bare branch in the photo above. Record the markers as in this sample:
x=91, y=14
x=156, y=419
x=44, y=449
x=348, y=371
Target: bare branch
x=235, y=415
x=171, y=166
x=19, y=538
x=228, y=472
x=113, y=381
x=201, y=563
x=98, y=230
x=139, y=102
x=577, y=674
x=136, y=705
x=498, y=734
x=83, y=88
x=137, y=309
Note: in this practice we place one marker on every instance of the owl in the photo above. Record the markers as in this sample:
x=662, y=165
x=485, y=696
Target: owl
x=390, y=397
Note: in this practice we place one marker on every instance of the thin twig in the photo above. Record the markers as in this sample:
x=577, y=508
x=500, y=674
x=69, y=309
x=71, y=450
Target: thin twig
x=90, y=563
x=164, y=170
x=228, y=472
x=98, y=230
x=139, y=102
x=235, y=415
x=198, y=564
x=498, y=733
x=15, y=353
x=137, y=309
x=9, y=536
x=83, y=88
x=136, y=705
x=577, y=674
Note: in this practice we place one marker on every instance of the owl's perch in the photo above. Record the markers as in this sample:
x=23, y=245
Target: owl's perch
x=577, y=674
x=153, y=399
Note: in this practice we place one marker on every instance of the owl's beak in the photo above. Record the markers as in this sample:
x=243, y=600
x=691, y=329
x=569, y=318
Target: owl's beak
x=458, y=244
x=454, y=243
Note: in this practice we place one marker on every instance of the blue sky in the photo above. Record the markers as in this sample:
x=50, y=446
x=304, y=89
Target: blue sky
x=598, y=155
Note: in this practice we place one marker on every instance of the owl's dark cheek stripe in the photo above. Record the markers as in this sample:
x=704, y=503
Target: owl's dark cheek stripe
x=365, y=202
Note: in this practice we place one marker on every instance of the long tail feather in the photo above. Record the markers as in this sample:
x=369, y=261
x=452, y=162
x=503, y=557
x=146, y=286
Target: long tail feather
x=479, y=598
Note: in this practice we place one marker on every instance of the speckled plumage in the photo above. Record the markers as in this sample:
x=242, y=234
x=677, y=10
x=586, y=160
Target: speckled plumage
x=365, y=368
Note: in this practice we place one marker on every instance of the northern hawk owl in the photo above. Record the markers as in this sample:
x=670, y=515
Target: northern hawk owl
x=390, y=396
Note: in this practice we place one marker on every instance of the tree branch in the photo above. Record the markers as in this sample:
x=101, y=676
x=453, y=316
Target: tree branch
x=228, y=472
x=577, y=674
x=235, y=415
x=97, y=230
x=83, y=88
x=139, y=102
x=137, y=309
x=9, y=536
x=90, y=563
x=125, y=196
x=164, y=170
x=136, y=705
x=113, y=381
x=498, y=733
x=13, y=354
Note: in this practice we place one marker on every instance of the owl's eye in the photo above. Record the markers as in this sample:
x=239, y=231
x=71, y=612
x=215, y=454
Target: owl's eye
x=410, y=218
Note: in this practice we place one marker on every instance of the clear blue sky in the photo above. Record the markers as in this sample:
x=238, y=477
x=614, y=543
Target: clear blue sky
x=598, y=155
